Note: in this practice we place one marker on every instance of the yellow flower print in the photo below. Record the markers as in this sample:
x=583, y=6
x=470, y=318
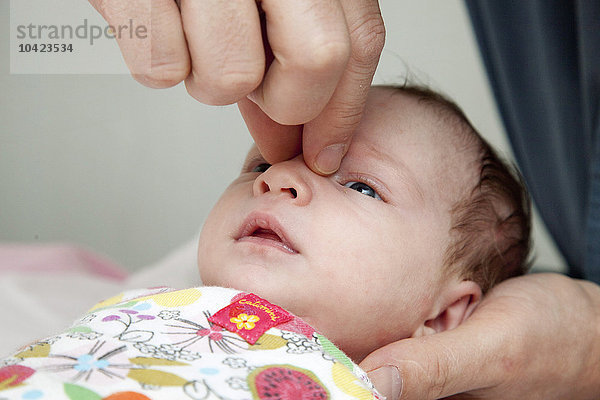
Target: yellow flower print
x=245, y=321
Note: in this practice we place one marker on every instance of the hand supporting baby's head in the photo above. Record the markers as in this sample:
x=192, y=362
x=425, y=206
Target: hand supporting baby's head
x=421, y=218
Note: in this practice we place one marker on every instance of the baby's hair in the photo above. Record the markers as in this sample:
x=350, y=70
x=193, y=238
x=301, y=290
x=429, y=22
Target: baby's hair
x=490, y=224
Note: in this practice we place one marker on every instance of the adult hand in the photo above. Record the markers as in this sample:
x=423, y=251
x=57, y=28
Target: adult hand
x=532, y=337
x=322, y=55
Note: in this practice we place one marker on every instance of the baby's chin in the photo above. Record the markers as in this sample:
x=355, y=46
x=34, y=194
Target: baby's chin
x=289, y=297
x=279, y=295
x=248, y=278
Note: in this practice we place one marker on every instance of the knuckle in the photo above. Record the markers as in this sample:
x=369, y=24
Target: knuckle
x=368, y=39
x=237, y=82
x=438, y=378
x=163, y=76
x=346, y=123
x=286, y=112
x=443, y=364
x=324, y=54
x=416, y=381
x=223, y=88
x=346, y=117
x=427, y=378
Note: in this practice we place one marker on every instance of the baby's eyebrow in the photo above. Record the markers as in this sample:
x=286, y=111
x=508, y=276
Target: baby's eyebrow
x=400, y=169
x=407, y=176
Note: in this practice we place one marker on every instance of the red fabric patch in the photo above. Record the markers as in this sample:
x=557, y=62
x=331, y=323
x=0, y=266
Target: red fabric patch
x=250, y=317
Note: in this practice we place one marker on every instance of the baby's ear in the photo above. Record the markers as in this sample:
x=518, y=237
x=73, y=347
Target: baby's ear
x=459, y=302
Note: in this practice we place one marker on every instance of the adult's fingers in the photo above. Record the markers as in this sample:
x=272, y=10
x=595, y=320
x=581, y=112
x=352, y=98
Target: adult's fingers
x=226, y=48
x=310, y=44
x=326, y=138
x=437, y=366
x=275, y=142
x=523, y=341
x=156, y=51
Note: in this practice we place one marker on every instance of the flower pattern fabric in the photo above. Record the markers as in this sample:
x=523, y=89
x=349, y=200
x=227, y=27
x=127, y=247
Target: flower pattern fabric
x=245, y=321
x=159, y=344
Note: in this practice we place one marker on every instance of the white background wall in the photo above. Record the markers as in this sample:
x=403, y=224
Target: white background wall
x=131, y=172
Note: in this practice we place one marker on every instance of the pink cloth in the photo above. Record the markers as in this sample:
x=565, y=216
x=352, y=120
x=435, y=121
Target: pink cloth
x=45, y=287
x=59, y=258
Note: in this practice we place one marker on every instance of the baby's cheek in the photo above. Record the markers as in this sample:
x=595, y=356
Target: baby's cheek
x=208, y=271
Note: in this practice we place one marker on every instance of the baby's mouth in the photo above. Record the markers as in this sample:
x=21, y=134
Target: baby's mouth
x=266, y=234
x=265, y=230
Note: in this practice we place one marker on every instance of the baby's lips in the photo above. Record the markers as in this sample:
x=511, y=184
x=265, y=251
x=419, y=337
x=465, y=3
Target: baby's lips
x=263, y=222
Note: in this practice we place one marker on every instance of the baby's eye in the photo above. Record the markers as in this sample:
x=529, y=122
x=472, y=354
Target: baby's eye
x=261, y=167
x=362, y=188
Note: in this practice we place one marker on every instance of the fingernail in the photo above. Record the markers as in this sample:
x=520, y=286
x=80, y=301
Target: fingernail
x=329, y=159
x=387, y=381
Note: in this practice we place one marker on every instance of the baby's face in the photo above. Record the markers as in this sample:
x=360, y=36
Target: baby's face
x=358, y=254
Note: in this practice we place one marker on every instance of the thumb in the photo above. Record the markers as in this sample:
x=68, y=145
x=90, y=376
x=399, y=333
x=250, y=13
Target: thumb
x=326, y=138
x=433, y=367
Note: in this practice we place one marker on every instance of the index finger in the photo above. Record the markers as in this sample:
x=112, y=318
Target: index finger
x=326, y=139
x=156, y=51
x=310, y=45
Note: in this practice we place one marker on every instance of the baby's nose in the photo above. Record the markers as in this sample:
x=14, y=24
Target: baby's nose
x=285, y=179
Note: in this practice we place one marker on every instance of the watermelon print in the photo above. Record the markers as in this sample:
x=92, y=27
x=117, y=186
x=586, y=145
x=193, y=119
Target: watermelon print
x=159, y=344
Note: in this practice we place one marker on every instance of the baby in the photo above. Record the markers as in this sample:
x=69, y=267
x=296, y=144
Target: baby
x=421, y=219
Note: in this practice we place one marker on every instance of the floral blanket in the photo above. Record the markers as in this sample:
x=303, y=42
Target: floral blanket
x=198, y=343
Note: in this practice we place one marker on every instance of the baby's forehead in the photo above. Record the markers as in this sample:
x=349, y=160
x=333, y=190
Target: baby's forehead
x=395, y=121
x=421, y=135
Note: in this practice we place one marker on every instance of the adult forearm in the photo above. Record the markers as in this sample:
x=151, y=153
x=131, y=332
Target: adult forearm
x=590, y=368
